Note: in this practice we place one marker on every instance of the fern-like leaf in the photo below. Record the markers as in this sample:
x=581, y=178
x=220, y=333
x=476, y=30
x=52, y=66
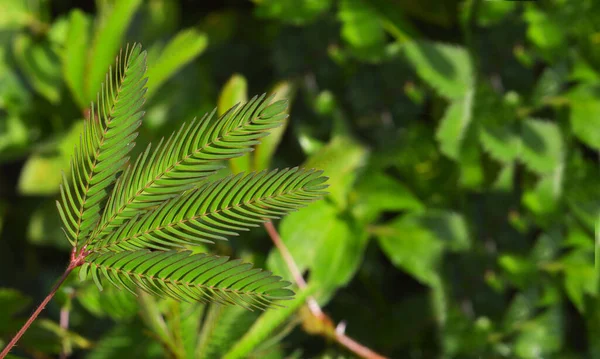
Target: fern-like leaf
x=188, y=277
x=217, y=209
x=190, y=154
x=108, y=136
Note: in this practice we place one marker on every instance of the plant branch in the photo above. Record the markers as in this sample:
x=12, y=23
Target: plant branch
x=328, y=328
x=76, y=261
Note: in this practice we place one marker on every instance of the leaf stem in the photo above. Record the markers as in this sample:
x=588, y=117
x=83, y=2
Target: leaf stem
x=336, y=333
x=76, y=261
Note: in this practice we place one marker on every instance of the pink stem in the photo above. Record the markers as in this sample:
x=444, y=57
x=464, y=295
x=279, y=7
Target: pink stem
x=313, y=306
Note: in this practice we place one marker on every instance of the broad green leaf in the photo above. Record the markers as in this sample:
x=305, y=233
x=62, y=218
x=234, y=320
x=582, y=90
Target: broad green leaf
x=446, y=68
x=234, y=92
x=454, y=125
x=332, y=255
x=12, y=302
x=493, y=12
x=341, y=159
x=126, y=340
x=264, y=151
x=14, y=14
x=377, y=192
x=75, y=55
x=541, y=336
x=362, y=29
x=265, y=326
x=183, y=48
x=580, y=276
x=120, y=305
x=394, y=20
x=40, y=63
x=501, y=142
x=543, y=31
x=585, y=115
x=542, y=145
x=413, y=249
x=113, y=21
x=41, y=174
x=297, y=12
x=544, y=198
x=415, y=242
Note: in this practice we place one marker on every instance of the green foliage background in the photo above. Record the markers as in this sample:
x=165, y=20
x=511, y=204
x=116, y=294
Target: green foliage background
x=461, y=140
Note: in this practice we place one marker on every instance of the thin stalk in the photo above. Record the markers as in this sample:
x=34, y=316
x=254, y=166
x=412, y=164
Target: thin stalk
x=76, y=261
x=329, y=330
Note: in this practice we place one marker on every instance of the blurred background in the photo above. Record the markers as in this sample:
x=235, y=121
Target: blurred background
x=461, y=139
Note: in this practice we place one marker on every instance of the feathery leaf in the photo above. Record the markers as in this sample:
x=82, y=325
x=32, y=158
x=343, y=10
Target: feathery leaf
x=189, y=277
x=190, y=154
x=108, y=136
x=216, y=209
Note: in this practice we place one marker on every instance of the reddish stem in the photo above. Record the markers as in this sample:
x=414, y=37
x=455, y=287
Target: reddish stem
x=76, y=261
x=313, y=306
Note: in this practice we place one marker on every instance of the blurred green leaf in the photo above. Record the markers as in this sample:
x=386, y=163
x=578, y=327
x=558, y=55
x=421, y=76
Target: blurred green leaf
x=333, y=253
x=585, y=114
x=446, y=68
x=75, y=55
x=297, y=12
x=340, y=160
x=41, y=174
x=40, y=63
x=113, y=21
x=117, y=304
x=377, y=192
x=14, y=14
x=543, y=147
x=454, y=125
x=541, y=336
x=264, y=327
x=265, y=150
x=183, y=48
x=415, y=242
x=126, y=340
x=233, y=93
x=362, y=28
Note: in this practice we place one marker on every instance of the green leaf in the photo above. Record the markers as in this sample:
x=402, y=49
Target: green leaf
x=108, y=136
x=362, y=29
x=217, y=209
x=265, y=326
x=377, y=192
x=126, y=340
x=74, y=56
x=454, y=125
x=12, y=302
x=187, y=277
x=297, y=12
x=41, y=173
x=114, y=19
x=542, y=335
x=183, y=48
x=446, y=68
x=341, y=159
x=234, y=92
x=543, y=148
x=585, y=115
x=114, y=303
x=40, y=63
x=543, y=31
x=333, y=253
x=14, y=14
x=264, y=151
x=415, y=242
